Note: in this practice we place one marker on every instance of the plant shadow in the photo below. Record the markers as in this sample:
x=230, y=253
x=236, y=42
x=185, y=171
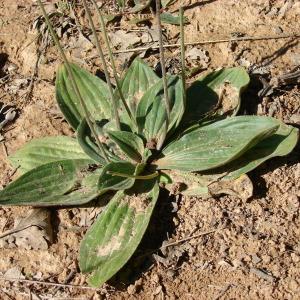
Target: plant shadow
x=250, y=98
x=256, y=176
x=198, y=3
x=3, y=60
x=267, y=60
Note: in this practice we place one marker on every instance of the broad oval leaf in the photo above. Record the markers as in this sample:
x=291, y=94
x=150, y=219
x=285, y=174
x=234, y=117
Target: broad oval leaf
x=93, y=90
x=218, y=92
x=41, y=151
x=151, y=112
x=137, y=80
x=131, y=144
x=117, y=232
x=216, y=144
x=66, y=182
x=109, y=180
x=281, y=143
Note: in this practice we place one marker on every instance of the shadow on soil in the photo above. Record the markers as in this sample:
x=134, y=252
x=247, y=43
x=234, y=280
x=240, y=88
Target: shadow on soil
x=259, y=184
x=251, y=98
x=198, y=3
x=267, y=60
x=3, y=60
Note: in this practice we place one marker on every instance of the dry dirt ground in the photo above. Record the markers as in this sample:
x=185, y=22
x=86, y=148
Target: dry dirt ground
x=250, y=250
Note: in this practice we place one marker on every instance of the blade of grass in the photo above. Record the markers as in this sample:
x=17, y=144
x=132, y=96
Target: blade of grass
x=75, y=87
x=163, y=69
x=100, y=52
x=182, y=52
x=117, y=79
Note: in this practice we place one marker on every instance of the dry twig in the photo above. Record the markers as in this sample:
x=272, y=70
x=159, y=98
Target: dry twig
x=46, y=283
x=225, y=40
x=223, y=291
x=188, y=238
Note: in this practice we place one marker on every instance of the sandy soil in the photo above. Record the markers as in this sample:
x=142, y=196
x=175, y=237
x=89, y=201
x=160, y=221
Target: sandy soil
x=249, y=250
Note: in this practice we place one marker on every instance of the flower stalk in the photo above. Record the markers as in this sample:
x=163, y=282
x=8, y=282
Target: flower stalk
x=87, y=115
x=182, y=54
x=164, y=74
x=101, y=54
x=113, y=64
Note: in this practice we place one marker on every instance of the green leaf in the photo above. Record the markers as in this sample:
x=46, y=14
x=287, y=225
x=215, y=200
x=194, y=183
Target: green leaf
x=231, y=177
x=89, y=146
x=219, y=91
x=166, y=3
x=140, y=5
x=137, y=80
x=109, y=181
x=117, y=232
x=66, y=182
x=151, y=112
x=94, y=91
x=216, y=144
x=281, y=143
x=170, y=19
x=44, y=150
x=87, y=143
x=131, y=144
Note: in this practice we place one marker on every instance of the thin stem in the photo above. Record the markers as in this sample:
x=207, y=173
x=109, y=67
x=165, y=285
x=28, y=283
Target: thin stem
x=73, y=82
x=162, y=62
x=164, y=77
x=46, y=283
x=142, y=177
x=117, y=79
x=182, y=51
x=100, y=52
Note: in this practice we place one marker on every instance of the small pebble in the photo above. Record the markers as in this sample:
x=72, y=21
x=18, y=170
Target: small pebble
x=155, y=278
x=295, y=257
x=293, y=285
x=131, y=289
x=256, y=259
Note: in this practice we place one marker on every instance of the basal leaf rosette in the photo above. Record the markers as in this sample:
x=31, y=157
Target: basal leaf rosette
x=203, y=142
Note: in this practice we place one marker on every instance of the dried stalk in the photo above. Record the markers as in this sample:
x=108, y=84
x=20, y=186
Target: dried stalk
x=225, y=40
x=113, y=64
x=100, y=52
x=73, y=82
x=164, y=75
x=46, y=283
x=182, y=48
